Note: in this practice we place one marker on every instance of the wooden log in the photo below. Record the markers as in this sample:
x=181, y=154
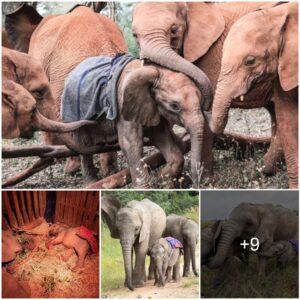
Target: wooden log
x=23, y=207
x=17, y=208
x=38, y=166
x=123, y=177
x=29, y=206
x=10, y=213
x=94, y=221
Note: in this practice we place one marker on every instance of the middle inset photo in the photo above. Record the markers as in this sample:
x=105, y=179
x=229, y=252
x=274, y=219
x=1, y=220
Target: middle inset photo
x=149, y=244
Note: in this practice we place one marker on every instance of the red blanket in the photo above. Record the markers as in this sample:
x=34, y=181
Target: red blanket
x=85, y=233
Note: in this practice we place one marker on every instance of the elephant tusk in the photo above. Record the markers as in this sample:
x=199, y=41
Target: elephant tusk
x=242, y=98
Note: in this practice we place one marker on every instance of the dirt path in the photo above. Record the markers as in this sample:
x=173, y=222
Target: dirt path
x=187, y=287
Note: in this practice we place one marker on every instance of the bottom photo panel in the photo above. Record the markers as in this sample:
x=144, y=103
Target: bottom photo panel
x=50, y=244
x=150, y=244
x=249, y=244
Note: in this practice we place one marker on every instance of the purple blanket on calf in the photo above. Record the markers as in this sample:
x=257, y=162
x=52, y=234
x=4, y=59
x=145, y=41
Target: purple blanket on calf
x=173, y=242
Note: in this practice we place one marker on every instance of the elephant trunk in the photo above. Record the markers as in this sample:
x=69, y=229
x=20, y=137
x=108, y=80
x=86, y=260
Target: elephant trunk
x=196, y=128
x=225, y=92
x=193, y=258
x=161, y=275
x=230, y=231
x=45, y=124
x=158, y=50
x=127, y=256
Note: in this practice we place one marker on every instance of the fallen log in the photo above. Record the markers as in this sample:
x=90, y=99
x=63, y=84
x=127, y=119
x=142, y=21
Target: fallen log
x=53, y=151
x=38, y=166
x=123, y=177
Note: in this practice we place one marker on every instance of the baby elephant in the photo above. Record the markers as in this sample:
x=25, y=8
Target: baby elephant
x=165, y=256
x=284, y=251
x=78, y=239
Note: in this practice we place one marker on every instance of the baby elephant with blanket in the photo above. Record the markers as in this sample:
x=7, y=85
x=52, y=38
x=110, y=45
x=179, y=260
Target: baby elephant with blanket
x=165, y=256
x=78, y=239
x=130, y=100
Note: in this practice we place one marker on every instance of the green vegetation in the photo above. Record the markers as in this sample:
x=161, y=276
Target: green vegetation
x=112, y=270
x=172, y=202
x=242, y=281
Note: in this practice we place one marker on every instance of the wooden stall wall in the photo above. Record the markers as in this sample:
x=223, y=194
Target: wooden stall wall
x=78, y=208
x=22, y=207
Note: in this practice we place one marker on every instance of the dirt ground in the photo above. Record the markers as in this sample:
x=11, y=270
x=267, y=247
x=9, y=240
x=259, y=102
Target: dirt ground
x=229, y=172
x=47, y=276
x=187, y=287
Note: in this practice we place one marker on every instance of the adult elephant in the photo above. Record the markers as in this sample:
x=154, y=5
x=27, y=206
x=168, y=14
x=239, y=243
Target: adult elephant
x=267, y=222
x=186, y=231
x=60, y=43
x=188, y=37
x=138, y=225
x=267, y=54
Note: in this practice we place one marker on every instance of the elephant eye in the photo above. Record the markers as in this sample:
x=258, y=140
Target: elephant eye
x=39, y=94
x=250, y=60
x=175, y=106
x=174, y=29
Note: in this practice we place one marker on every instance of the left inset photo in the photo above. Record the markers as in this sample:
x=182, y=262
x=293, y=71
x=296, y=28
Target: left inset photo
x=50, y=244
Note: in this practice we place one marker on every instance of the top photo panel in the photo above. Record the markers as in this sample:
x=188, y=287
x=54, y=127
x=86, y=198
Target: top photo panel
x=109, y=95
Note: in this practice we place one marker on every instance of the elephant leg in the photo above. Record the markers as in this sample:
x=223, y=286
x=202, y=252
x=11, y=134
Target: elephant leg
x=163, y=137
x=156, y=276
x=286, y=108
x=67, y=255
x=72, y=165
x=81, y=252
x=130, y=137
x=187, y=261
x=207, y=155
x=139, y=271
x=169, y=274
x=88, y=169
x=274, y=153
x=176, y=270
x=108, y=163
x=262, y=261
x=151, y=270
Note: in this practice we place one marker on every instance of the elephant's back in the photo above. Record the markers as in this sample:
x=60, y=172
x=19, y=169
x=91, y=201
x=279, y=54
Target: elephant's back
x=62, y=42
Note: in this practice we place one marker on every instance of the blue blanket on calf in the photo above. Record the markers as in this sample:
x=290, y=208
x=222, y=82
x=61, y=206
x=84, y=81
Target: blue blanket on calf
x=295, y=244
x=91, y=88
x=173, y=242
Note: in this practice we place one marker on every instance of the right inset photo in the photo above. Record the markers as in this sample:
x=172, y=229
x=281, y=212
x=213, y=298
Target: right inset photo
x=249, y=244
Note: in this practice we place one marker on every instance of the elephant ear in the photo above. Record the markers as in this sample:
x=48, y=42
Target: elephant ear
x=145, y=228
x=288, y=58
x=109, y=209
x=265, y=229
x=205, y=25
x=20, y=24
x=138, y=104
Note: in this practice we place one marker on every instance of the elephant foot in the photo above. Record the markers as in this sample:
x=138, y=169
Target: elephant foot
x=72, y=165
x=186, y=274
x=90, y=179
x=196, y=273
x=77, y=269
x=138, y=284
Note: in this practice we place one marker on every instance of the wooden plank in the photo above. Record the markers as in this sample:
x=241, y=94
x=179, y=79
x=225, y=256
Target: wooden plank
x=81, y=208
x=29, y=206
x=88, y=209
x=95, y=210
x=36, y=204
x=43, y=201
x=17, y=207
x=23, y=208
x=77, y=203
x=11, y=216
x=63, y=207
